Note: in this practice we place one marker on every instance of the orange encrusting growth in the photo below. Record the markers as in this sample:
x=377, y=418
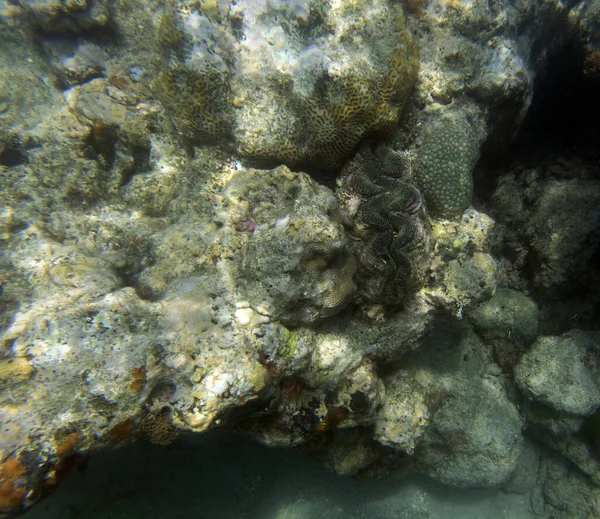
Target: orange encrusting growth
x=13, y=484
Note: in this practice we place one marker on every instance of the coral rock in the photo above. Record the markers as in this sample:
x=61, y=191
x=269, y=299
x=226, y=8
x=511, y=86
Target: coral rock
x=563, y=372
x=445, y=165
x=293, y=83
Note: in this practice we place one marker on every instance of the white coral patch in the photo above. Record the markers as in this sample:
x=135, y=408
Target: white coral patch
x=282, y=223
x=244, y=315
x=219, y=383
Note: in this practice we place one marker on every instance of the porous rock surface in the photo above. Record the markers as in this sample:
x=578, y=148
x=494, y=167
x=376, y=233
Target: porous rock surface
x=474, y=438
x=507, y=313
x=298, y=266
x=563, y=372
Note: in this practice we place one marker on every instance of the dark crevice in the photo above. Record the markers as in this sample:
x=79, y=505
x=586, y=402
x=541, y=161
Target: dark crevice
x=562, y=119
x=141, y=163
x=102, y=141
x=10, y=157
x=557, y=141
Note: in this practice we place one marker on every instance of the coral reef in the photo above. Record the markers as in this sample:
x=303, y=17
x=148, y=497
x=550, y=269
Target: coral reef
x=150, y=284
x=444, y=168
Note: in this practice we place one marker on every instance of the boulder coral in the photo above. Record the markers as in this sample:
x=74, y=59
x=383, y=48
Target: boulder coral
x=296, y=83
x=444, y=168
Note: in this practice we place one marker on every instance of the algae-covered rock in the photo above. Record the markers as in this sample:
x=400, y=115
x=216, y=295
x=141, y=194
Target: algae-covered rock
x=563, y=230
x=567, y=492
x=70, y=15
x=473, y=433
x=563, y=372
x=297, y=265
x=299, y=83
x=466, y=281
x=474, y=438
x=463, y=273
x=508, y=314
x=587, y=15
x=24, y=94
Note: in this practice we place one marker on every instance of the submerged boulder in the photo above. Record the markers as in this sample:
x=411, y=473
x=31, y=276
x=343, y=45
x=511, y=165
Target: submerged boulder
x=563, y=372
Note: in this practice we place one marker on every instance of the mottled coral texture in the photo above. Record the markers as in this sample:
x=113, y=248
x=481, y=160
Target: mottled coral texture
x=300, y=87
x=444, y=168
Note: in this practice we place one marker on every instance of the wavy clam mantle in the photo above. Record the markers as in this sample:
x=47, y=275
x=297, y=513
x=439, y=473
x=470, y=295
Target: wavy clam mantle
x=390, y=207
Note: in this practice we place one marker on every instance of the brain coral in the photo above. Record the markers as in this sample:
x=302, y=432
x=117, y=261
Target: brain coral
x=193, y=85
x=444, y=168
x=294, y=82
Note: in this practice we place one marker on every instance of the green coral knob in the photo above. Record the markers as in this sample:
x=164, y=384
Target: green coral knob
x=444, y=168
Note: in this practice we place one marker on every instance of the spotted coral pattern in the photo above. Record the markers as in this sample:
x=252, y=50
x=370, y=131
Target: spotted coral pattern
x=389, y=209
x=444, y=168
x=197, y=98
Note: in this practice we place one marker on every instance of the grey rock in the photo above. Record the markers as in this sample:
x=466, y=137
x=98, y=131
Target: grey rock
x=298, y=266
x=508, y=314
x=568, y=493
x=563, y=372
x=473, y=437
x=525, y=476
